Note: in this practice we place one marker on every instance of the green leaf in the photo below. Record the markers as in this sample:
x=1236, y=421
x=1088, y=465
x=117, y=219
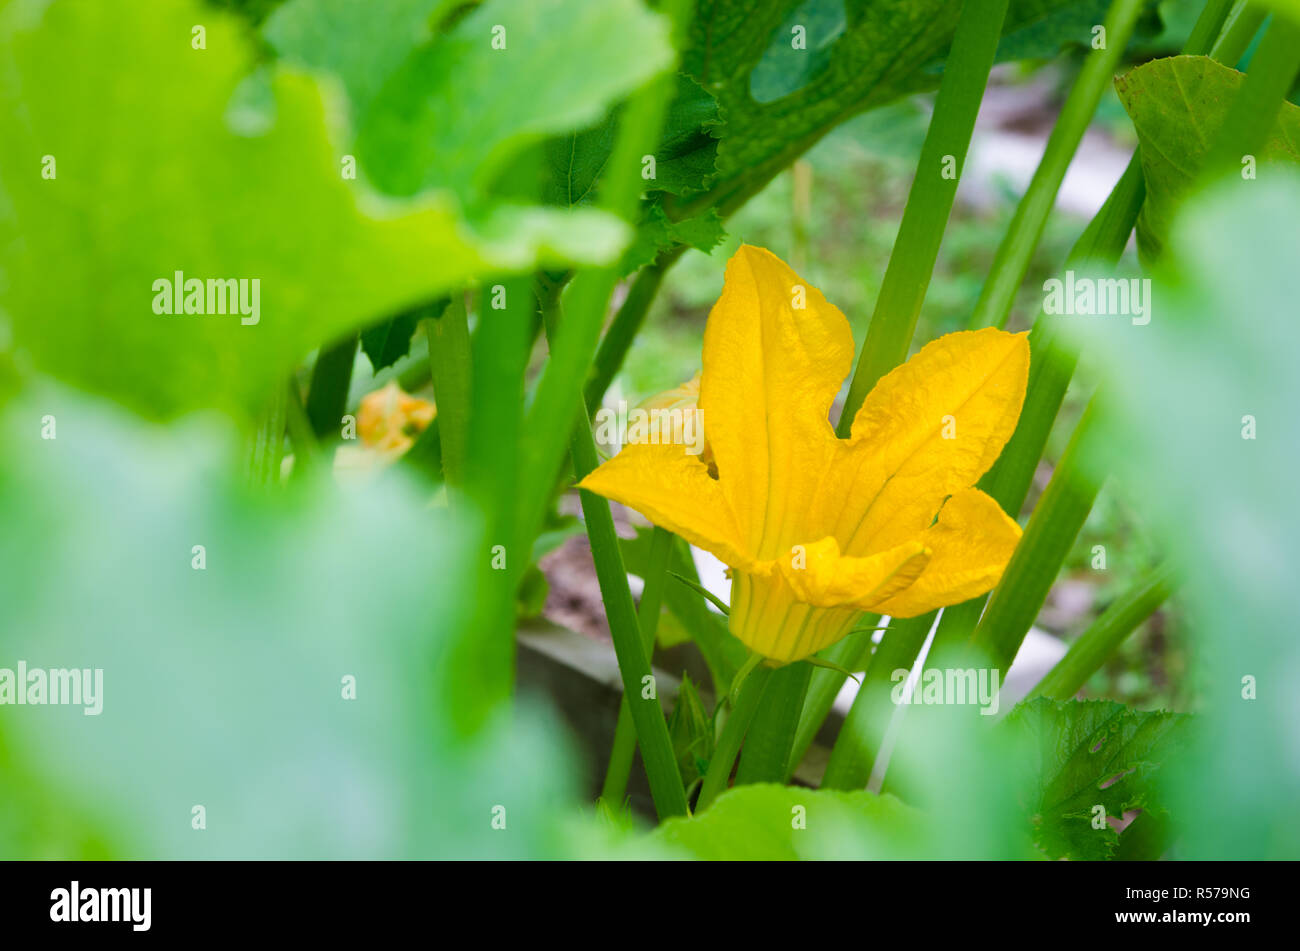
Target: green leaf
x=657, y=233
x=770, y=822
x=225, y=687
x=1063, y=25
x=874, y=54
x=684, y=158
x=1178, y=105
x=457, y=109
x=163, y=168
x=1081, y=755
x=357, y=42
x=388, y=341
x=572, y=164
x=691, y=730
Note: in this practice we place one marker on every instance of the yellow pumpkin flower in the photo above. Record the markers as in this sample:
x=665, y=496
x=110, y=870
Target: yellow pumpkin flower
x=684, y=402
x=389, y=419
x=818, y=529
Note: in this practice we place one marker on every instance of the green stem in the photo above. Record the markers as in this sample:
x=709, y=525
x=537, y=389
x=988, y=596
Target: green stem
x=266, y=447
x=1017, y=247
x=633, y=662
x=929, y=202
x=1254, y=111
x=482, y=656
x=851, y=654
x=656, y=576
x=859, y=741
x=733, y=734
x=1095, y=645
x=327, y=394
x=301, y=437
x=766, y=756
x=1238, y=31
x=1047, y=540
x=449, y=366
x=1216, y=18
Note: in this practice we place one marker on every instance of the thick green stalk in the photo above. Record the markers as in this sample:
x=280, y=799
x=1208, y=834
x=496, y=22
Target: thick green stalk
x=1103, y=637
x=929, y=202
x=1017, y=247
x=850, y=654
x=766, y=755
x=301, y=437
x=1053, y=357
x=638, y=680
x=859, y=741
x=327, y=394
x=449, y=366
x=266, y=445
x=633, y=658
x=1216, y=19
x=1037, y=560
x=733, y=734
x=652, y=599
x=1254, y=111
x=483, y=655
x=1238, y=31
x=560, y=390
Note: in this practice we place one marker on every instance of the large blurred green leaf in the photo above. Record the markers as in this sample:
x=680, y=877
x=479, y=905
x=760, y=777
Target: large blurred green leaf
x=223, y=687
x=362, y=44
x=456, y=109
x=171, y=158
x=1208, y=391
x=770, y=822
x=1178, y=105
x=1088, y=754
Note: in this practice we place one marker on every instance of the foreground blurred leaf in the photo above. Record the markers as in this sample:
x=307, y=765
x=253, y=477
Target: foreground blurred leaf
x=1178, y=105
x=1088, y=754
x=165, y=162
x=1209, y=391
x=769, y=822
x=224, y=687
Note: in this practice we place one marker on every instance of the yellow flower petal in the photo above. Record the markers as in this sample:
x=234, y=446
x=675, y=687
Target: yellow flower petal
x=971, y=543
x=928, y=429
x=672, y=489
x=775, y=355
x=769, y=618
x=894, y=524
x=821, y=576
